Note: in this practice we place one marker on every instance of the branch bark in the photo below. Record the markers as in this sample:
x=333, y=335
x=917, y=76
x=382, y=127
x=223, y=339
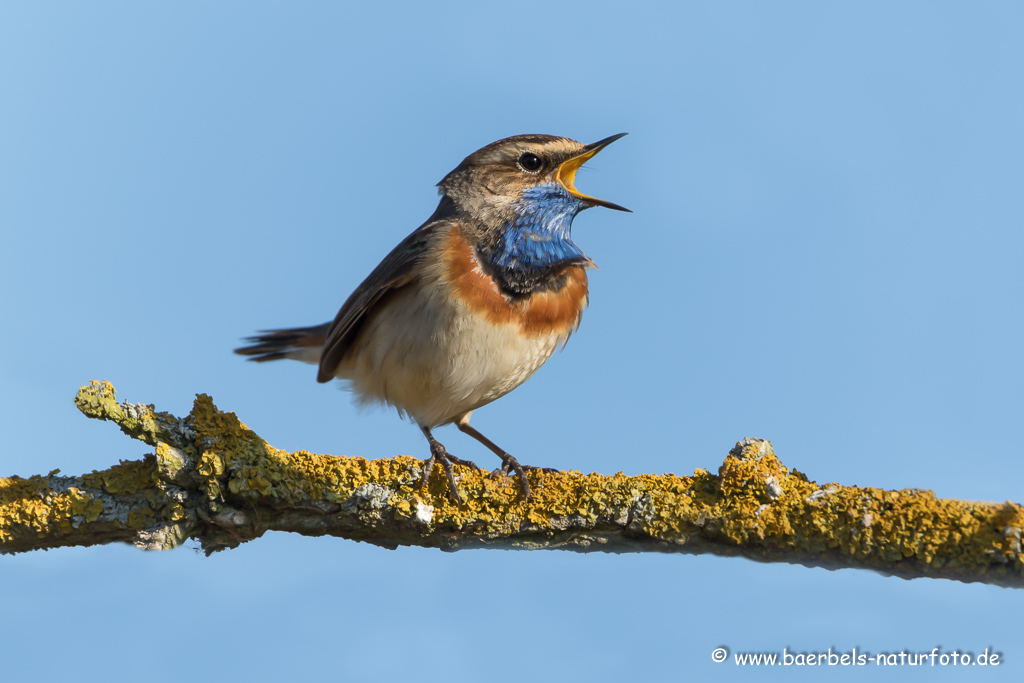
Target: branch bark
x=213, y=480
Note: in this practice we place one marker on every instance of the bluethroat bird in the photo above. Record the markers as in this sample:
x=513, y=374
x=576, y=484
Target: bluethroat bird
x=471, y=304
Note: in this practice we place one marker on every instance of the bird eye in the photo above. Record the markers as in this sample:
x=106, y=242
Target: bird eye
x=530, y=162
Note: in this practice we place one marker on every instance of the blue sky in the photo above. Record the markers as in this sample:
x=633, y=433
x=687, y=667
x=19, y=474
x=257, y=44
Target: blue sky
x=825, y=252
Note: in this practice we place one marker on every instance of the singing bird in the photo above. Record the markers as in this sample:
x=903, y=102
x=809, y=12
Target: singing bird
x=468, y=306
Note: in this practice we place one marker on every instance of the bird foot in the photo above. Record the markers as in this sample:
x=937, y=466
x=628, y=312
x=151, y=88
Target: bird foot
x=465, y=463
x=510, y=464
x=438, y=454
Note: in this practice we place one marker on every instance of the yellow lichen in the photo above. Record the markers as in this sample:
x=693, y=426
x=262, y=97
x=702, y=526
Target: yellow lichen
x=754, y=504
x=30, y=505
x=127, y=477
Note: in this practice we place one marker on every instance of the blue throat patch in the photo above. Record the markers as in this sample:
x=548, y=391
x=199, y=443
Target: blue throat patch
x=539, y=236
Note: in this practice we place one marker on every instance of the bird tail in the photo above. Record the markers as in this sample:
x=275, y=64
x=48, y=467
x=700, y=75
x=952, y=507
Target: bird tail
x=298, y=343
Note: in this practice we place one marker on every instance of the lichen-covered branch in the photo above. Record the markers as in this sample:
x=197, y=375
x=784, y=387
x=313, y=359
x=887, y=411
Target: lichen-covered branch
x=212, y=479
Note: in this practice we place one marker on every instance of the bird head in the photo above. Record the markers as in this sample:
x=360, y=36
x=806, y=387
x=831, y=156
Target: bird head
x=523, y=174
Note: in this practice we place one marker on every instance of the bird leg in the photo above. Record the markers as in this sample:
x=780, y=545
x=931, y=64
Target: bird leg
x=508, y=463
x=439, y=454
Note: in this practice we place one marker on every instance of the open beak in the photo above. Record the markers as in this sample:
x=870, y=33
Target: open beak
x=566, y=172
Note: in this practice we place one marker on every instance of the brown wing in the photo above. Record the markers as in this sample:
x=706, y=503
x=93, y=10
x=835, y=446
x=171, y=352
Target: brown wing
x=396, y=270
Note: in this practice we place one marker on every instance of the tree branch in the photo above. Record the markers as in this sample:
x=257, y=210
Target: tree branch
x=212, y=479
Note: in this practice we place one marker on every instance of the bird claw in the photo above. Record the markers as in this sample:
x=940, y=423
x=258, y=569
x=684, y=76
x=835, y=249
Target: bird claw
x=508, y=467
x=509, y=464
x=465, y=463
x=438, y=454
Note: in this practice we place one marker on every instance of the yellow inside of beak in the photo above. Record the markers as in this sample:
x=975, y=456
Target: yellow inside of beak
x=566, y=173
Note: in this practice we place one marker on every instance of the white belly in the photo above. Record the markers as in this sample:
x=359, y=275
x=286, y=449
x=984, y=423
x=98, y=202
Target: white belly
x=435, y=359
